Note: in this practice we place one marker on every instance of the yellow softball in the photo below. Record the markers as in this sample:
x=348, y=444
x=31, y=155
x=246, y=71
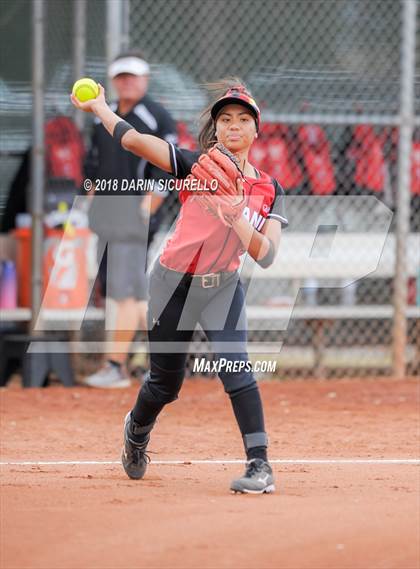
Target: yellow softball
x=85, y=89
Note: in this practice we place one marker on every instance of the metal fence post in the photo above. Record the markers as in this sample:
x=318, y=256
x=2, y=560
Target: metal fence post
x=408, y=35
x=125, y=26
x=114, y=16
x=79, y=50
x=38, y=155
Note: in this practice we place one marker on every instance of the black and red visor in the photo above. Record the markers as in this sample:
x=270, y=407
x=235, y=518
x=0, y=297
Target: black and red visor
x=237, y=96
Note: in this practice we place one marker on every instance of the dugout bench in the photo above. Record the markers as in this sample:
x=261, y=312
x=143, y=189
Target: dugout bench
x=359, y=261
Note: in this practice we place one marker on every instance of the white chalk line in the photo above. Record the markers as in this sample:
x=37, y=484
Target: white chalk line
x=350, y=461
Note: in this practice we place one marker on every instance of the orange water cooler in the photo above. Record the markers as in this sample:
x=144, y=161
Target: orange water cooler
x=65, y=277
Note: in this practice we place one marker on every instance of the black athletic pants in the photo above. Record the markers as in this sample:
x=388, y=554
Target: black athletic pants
x=177, y=302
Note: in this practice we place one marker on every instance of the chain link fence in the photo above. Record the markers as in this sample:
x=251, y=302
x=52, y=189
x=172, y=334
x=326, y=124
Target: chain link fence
x=16, y=72
x=327, y=75
x=328, y=56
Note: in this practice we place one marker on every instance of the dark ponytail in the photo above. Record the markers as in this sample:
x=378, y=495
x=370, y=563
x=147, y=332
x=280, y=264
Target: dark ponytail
x=207, y=134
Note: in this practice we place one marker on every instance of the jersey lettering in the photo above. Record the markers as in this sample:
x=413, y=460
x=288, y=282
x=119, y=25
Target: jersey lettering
x=255, y=219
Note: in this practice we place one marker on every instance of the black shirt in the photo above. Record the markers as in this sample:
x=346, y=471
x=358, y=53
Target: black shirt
x=118, y=219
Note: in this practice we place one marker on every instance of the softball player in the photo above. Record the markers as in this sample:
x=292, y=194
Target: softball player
x=196, y=277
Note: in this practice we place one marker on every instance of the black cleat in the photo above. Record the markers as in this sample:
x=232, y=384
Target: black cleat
x=258, y=478
x=134, y=458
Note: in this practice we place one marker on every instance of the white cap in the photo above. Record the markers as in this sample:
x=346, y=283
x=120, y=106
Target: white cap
x=132, y=65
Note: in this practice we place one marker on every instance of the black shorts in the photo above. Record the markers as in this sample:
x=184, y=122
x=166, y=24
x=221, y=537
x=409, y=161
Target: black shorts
x=122, y=271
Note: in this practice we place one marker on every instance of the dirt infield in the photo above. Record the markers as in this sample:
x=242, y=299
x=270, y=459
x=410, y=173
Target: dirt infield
x=323, y=515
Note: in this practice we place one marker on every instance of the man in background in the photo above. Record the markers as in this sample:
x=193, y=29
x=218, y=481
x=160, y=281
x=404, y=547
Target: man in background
x=121, y=219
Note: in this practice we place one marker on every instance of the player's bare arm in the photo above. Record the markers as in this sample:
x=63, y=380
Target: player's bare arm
x=257, y=244
x=149, y=147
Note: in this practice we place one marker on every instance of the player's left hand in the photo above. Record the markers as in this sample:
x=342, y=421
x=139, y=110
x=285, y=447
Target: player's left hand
x=221, y=166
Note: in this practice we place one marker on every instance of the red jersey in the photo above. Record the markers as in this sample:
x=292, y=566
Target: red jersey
x=258, y=153
x=282, y=164
x=367, y=151
x=317, y=159
x=201, y=244
x=65, y=150
x=415, y=169
x=185, y=138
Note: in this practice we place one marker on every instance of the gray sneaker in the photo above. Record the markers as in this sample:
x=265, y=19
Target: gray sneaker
x=109, y=377
x=258, y=478
x=134, y=458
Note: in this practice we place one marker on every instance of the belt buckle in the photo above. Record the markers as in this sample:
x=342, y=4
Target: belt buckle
x=211, y=280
